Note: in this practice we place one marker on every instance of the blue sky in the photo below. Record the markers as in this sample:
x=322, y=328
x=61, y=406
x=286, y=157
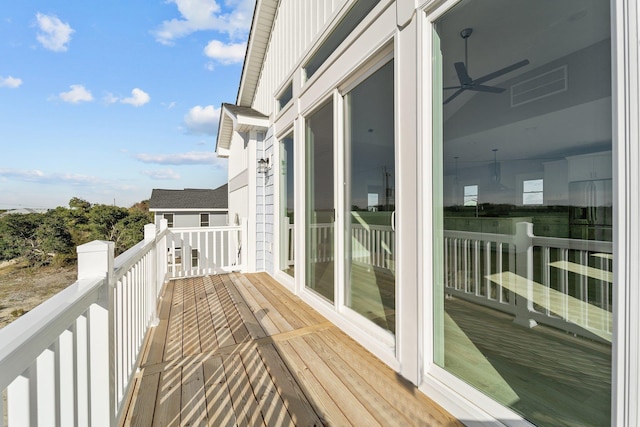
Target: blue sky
x=107, y=100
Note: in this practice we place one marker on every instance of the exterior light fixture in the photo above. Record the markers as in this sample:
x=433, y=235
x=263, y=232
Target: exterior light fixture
x=263, y=165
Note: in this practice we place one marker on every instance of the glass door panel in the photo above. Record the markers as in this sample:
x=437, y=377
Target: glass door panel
x=522, y=147
x=320, y=204
x=287, y=248
x=370, y=199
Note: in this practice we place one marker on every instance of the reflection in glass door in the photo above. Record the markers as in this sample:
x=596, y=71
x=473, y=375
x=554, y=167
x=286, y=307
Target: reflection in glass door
x=320, y=207
x=523, y=209
x=370, y=199
x=287, y=248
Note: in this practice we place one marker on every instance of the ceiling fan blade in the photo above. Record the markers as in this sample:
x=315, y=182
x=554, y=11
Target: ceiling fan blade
x=463, y=76
x=500, y=72
x=452, y=87
x=456, y=93
x=483, y=88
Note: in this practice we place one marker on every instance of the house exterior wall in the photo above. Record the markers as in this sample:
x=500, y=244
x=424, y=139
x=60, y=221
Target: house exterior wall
x=192, y=219
x=297, y=25
x=404, y=27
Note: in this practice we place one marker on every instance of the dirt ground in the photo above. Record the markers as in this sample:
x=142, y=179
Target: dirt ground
x=23, y=288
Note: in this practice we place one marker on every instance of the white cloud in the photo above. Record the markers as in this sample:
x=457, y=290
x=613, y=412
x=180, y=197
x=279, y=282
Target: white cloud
x=199, y=15
x=138, y=97
x=231, y=53
x=162, y=174
x=54, y=178
x=11, y=82
x=54, y=34
x=110, y=98
x=202, y=120
x=78, y=93
x=190, y=158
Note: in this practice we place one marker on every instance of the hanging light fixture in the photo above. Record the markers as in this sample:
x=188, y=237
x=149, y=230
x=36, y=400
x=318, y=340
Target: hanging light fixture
x=263, y=165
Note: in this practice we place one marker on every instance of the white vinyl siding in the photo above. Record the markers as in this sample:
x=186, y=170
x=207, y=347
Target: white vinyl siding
x=297, y=25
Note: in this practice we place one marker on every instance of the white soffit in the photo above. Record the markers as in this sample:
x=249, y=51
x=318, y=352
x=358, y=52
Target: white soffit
x=263, y=17
x=234, y=118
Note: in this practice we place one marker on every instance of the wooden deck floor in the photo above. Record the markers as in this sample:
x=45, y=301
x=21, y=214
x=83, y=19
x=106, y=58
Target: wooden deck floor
x=241, y=350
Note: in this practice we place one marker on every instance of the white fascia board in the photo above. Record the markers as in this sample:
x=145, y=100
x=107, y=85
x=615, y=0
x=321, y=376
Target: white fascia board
x=223, y=152
x=247, y=123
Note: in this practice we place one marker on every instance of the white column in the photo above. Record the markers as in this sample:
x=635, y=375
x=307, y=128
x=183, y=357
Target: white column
x=95, y=259
x=152, y=298
x=524, y=269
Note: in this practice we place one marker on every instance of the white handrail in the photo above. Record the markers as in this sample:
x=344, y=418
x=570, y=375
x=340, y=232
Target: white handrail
x=71, y=360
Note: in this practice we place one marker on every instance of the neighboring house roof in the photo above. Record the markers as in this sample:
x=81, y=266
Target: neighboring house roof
x=189, y=199
x=237, y=118
x=25, y=211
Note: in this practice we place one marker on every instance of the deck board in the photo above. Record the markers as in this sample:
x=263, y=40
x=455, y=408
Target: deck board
x=240, y=350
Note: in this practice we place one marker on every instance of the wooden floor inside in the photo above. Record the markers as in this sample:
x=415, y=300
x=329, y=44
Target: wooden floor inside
x=240, y=350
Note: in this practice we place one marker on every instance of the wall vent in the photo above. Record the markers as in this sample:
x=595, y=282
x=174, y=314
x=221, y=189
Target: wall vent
x=541, y=86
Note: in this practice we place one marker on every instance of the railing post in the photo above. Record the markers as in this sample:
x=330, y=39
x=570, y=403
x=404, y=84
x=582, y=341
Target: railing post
x=524, y=273
x=95, y=259
x=162, y=245
x=152, y=294
x=244, y=239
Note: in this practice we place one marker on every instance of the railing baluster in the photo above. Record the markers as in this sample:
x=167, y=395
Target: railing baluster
x=81, y=351
x=476, y=267
x=546, y=278
x=46, y=393
x=66, y=362
x=21, y=399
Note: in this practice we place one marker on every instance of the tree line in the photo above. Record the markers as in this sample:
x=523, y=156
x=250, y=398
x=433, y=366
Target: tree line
x=52, y=237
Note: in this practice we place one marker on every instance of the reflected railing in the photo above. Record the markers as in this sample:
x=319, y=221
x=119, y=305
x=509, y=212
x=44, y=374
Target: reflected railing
x=563, y=283
x=372, y=245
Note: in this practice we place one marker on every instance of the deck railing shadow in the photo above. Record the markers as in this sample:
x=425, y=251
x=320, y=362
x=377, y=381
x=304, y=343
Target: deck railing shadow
x=71, y=360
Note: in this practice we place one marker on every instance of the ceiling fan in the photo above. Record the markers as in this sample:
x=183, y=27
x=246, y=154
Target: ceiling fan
x=467, y=83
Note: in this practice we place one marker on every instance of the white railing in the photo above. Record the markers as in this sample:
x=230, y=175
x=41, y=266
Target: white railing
x=71, y=360
x=373, y=245
x=564, y=283
x=200, y=251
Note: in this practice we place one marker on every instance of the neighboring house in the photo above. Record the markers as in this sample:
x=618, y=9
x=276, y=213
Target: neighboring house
x=24, y=211
x=455, y=185
x=191, y=207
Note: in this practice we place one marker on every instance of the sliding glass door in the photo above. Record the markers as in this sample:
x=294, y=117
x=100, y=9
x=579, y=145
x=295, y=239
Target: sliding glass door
x=320, y=203
x=369, y=234
x=523, y=205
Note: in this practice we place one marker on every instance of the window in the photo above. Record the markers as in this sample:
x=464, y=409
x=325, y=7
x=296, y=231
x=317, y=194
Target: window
x=285, y=96
x=169, y=218
x=532, y=192
x=524, y=320
x=287, y=197
x=470, y=195
x=204, y=220
x=194, y=258
x=320, y=212
x=353, y=17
